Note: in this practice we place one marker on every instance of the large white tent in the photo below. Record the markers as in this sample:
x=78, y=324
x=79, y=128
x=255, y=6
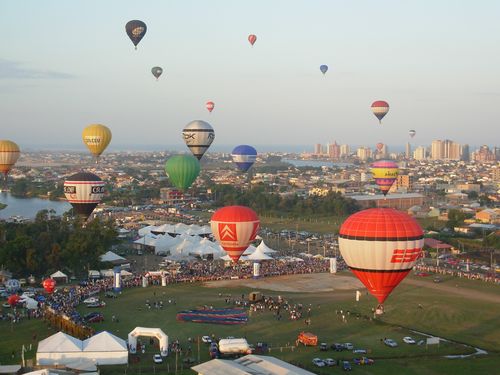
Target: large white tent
x=106, y=349
x=59, y=276
x=109, y=256
x=265, y=249
x=58, y=349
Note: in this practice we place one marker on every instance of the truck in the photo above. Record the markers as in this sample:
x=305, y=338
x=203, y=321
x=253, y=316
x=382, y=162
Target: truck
x=234, y=346
x=307, y=339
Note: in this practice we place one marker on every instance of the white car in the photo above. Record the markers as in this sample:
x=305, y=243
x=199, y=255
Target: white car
x=206, y=339
x=390, y=342
x=408, y=340
x=318, y=362
x=91, y=300
x=330, y=362
x=349, y=346
x=157, y=358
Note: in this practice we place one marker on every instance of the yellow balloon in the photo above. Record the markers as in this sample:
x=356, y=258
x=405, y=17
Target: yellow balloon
x=9, y=153
x=96, y=137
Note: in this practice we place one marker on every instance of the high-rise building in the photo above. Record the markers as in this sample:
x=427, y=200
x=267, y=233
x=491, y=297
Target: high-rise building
x=420, y=153
x=496, y=174
x=465, y=153
x=345, y=150
x=404, y=181
x=318, y=149
x=408, y=150
x=445, y=150
x=364, y=153
x=483, y=154
x=334, y=150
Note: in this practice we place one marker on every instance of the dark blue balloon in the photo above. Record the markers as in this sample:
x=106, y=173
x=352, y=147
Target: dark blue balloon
x=323, y=68
x=244, y=156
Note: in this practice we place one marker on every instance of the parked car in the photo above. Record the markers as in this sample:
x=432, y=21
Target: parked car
x=359, y=351
x=363, y=361
x=330, y=362
x=97, y=304
x=318, y=362
x=349, y=346
x=91, y=300
x=94, y=317
x=157, y=358
x=346, y=366
x=206, y=339
x=390, y=342
x=323, y=346
x=408, y=340
x=338, y=347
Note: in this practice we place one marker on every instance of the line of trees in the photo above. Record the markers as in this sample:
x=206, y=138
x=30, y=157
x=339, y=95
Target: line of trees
x=292, y=205
x=51, y=243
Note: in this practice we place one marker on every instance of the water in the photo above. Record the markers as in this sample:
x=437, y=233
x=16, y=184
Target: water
x=28, y=207
x=315, y=163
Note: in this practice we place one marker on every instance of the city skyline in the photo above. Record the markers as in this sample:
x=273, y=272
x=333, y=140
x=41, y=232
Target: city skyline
x=67, y=65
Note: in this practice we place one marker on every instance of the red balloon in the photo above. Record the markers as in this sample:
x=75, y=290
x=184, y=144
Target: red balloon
x=380, y=146
x=49, y=285
x=235, y=227
x=13, y=300
x=210, y=106
x=252, y=39
x=380, y=246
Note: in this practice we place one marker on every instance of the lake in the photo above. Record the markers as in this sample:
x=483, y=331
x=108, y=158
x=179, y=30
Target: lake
x=315, y=163
x=28, y=207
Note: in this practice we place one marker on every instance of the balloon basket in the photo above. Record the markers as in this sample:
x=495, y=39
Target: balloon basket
x=379, y=310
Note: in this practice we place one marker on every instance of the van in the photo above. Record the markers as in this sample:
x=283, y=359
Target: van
x=307, y=339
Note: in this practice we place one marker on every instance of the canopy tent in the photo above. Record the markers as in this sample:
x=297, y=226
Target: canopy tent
x=59, y=276
x=265, y=249
x=106, y=349
x=176, y=229
x=250, y=249
x=259, y=255
x=31, y=304
x=59, y=348
x=111, y=257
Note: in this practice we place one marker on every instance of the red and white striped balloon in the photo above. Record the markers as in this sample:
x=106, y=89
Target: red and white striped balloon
x=210, y=106
x=235, y=227
x=380, y=109
x=380, y=246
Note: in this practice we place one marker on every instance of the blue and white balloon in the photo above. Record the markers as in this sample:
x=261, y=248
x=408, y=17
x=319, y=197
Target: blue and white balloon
x=244, y=156
x=323, y=68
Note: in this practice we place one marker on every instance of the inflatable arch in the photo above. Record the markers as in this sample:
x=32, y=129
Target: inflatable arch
x=151, y=332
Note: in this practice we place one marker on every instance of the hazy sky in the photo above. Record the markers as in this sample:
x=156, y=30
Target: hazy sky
x=66, y=64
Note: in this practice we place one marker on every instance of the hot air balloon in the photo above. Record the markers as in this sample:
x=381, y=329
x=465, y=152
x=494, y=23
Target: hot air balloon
x=13, y=300
x=244, y=156
x=84, y=191
x=252, y=39
x=210, y=106
x=380, y=146
x=198, y=136
x=235, y=227
x=96, y=137
x=412, y=133
x=380, y=246
x=323, y=68
x=135, y=30
x=380, y=109
x=157, y=71
x=9, y=153
x=385, y=172
x=49, y=285
x=182, y=170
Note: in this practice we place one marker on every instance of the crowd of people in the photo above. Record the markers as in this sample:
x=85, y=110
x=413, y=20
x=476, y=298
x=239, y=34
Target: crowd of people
x=447, y=271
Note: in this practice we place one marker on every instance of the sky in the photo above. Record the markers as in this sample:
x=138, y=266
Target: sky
x=67, y=64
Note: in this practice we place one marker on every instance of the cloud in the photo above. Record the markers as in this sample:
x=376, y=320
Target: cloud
x=15, y=70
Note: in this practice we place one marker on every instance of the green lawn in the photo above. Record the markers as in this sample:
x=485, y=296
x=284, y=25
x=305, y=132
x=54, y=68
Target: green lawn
x=445, y=315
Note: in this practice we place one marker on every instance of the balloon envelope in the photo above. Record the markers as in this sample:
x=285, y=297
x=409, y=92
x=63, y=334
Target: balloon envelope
x=198, y=136
x=380, y=109
x=380, y=146
x=84, y=191
x=323, y=68
x=49, y=285
x=210, y=106
x=235, y=227
x=412, y=133
x=157, y=71
x=135, y=30
x=244, y=156
x=252, y=39
x=13, y=300
x=9, y=153
x=182, y=170
x=380, y=246
x=385, y=172
x=96, y=137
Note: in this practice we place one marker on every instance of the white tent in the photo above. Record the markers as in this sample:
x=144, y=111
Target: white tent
x=259, y=255
x=264, y=248
x=250, y=249
x=59, y=348
x=31, y=304
x=106, y=349
x=148, y=240
x=112, y=257
x=58, y=276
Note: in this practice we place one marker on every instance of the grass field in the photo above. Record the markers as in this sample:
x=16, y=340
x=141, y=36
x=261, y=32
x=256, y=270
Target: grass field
x=443, y=314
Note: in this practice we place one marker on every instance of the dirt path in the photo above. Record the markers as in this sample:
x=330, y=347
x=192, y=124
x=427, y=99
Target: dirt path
x=325, y=282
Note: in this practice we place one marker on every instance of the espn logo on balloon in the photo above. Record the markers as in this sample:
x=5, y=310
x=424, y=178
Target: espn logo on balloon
x=405, y=256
